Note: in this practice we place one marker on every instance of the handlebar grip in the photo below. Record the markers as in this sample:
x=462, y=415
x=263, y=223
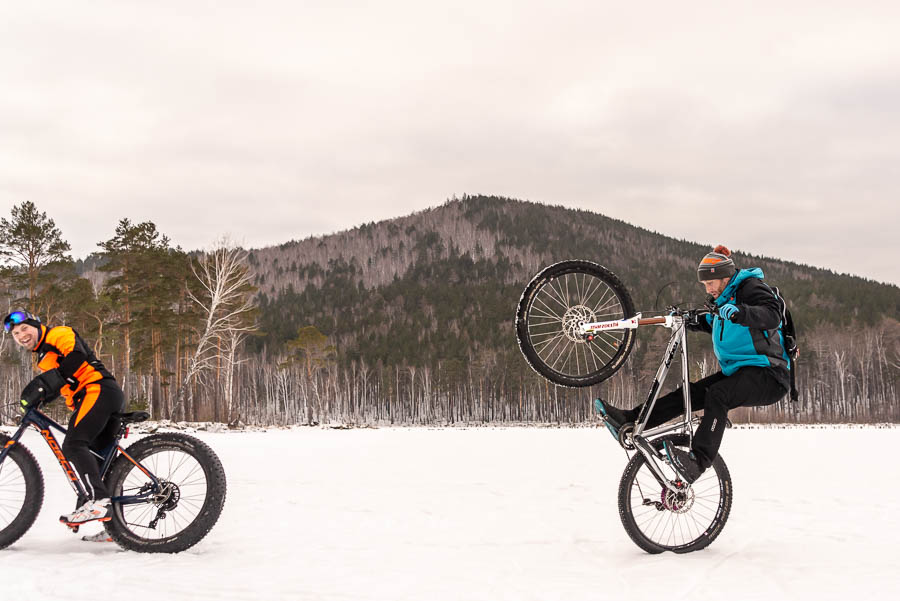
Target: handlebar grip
x=651, y=321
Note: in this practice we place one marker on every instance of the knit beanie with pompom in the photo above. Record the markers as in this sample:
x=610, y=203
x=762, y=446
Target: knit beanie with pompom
x=716, y=265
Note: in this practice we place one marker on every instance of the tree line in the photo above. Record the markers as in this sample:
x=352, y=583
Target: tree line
x=167, y=323
x=409, y=321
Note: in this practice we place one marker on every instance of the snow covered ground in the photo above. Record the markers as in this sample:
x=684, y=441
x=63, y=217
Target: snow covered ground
x=493, y=514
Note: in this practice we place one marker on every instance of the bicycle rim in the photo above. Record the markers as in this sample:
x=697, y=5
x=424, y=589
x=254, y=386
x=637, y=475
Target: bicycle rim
x=184, y=490
x=558, y=307
x=12, y=491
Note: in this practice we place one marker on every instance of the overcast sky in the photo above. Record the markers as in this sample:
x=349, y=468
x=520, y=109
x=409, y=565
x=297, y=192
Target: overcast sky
x=771, y=127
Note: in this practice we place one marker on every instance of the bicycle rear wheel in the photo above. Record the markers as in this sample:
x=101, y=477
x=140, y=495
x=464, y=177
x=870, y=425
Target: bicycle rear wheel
x=183, y=511
x=658, y=520
x=551, y=311
x=21, y=492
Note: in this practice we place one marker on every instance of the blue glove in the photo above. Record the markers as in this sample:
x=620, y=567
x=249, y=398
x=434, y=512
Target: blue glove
x=728, y=312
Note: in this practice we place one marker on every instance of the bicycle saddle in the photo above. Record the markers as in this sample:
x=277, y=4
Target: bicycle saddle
x=133, y=417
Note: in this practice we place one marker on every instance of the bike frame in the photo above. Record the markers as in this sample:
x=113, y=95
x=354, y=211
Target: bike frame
x=641, y=436
x=45, y=425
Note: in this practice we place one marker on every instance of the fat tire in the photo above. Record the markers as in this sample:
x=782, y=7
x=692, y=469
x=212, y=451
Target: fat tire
x=34, y=492
x=208, y=514
x=523, y=314
x=706, y=537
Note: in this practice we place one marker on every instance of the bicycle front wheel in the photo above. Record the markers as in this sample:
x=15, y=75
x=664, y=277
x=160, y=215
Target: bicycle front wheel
x=187, y=504
x=21, y=492
x=551, y=312
x=659, y=520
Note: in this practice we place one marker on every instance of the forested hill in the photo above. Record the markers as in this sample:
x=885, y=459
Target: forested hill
x=443, y=283
x=411, y=320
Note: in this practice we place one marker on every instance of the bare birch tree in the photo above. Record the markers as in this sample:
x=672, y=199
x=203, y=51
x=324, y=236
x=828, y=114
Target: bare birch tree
x=230, y=356
x=225, y=301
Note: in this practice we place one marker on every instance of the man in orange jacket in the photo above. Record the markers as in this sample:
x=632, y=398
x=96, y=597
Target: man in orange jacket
x=70, y=368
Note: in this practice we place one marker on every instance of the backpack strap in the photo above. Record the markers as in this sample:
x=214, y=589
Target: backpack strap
x=790, y=340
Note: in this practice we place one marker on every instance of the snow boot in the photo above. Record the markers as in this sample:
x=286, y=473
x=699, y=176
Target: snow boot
x=613, y=418
x=686, y=464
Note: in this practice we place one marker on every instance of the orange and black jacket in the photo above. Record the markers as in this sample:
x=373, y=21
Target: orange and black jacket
x=63, y=349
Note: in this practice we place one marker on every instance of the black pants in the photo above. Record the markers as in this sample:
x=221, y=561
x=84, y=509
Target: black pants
x=92, y=427
x=717, y=395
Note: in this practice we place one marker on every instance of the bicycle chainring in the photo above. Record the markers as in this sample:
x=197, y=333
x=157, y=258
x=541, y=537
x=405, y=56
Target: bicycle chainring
x=625, y=439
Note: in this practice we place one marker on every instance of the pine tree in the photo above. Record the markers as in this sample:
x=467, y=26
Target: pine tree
x=132, y=256
x=30, y=242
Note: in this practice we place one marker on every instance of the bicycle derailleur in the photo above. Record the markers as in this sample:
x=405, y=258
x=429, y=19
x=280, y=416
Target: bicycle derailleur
x=165, y=500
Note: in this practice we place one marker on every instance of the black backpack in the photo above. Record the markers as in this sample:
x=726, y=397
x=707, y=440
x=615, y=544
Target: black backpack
x=790, y=339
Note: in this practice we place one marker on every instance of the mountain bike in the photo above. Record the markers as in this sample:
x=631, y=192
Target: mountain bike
x=168, y=489
x=576, y=325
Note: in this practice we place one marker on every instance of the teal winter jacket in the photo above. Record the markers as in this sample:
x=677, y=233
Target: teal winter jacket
x=754, y=337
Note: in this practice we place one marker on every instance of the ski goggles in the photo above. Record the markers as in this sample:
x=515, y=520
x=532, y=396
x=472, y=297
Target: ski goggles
x=17, y=317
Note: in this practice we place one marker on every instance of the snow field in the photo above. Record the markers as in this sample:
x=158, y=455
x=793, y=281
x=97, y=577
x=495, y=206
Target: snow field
x=489, y=514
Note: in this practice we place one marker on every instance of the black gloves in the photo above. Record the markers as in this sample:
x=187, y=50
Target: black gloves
x=43, y=388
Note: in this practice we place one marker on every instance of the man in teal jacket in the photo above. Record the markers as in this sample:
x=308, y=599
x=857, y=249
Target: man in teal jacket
x=749, y=344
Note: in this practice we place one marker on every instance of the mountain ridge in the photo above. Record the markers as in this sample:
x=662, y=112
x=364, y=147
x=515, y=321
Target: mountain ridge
x=476, y=253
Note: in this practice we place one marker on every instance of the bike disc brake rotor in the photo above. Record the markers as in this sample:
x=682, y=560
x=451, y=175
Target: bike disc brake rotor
x=574, y=318
x=678, y=502
x=168, y=496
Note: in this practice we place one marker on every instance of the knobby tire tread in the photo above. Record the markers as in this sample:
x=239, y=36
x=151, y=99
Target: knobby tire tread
x=34, y=492
x=209, y=513
x=705, y=539
x=525, y=302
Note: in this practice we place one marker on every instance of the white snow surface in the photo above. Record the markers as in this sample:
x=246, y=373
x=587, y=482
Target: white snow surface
x=489, y=513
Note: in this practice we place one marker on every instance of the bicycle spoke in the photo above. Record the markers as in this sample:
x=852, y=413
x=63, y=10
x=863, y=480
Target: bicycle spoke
x=12, y=491
x=547, y=307
x=175, y=469
x=601, y=339
x=558, y=338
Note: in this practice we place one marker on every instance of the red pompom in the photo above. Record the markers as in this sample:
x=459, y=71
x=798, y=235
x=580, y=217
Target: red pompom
x=722, y=250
